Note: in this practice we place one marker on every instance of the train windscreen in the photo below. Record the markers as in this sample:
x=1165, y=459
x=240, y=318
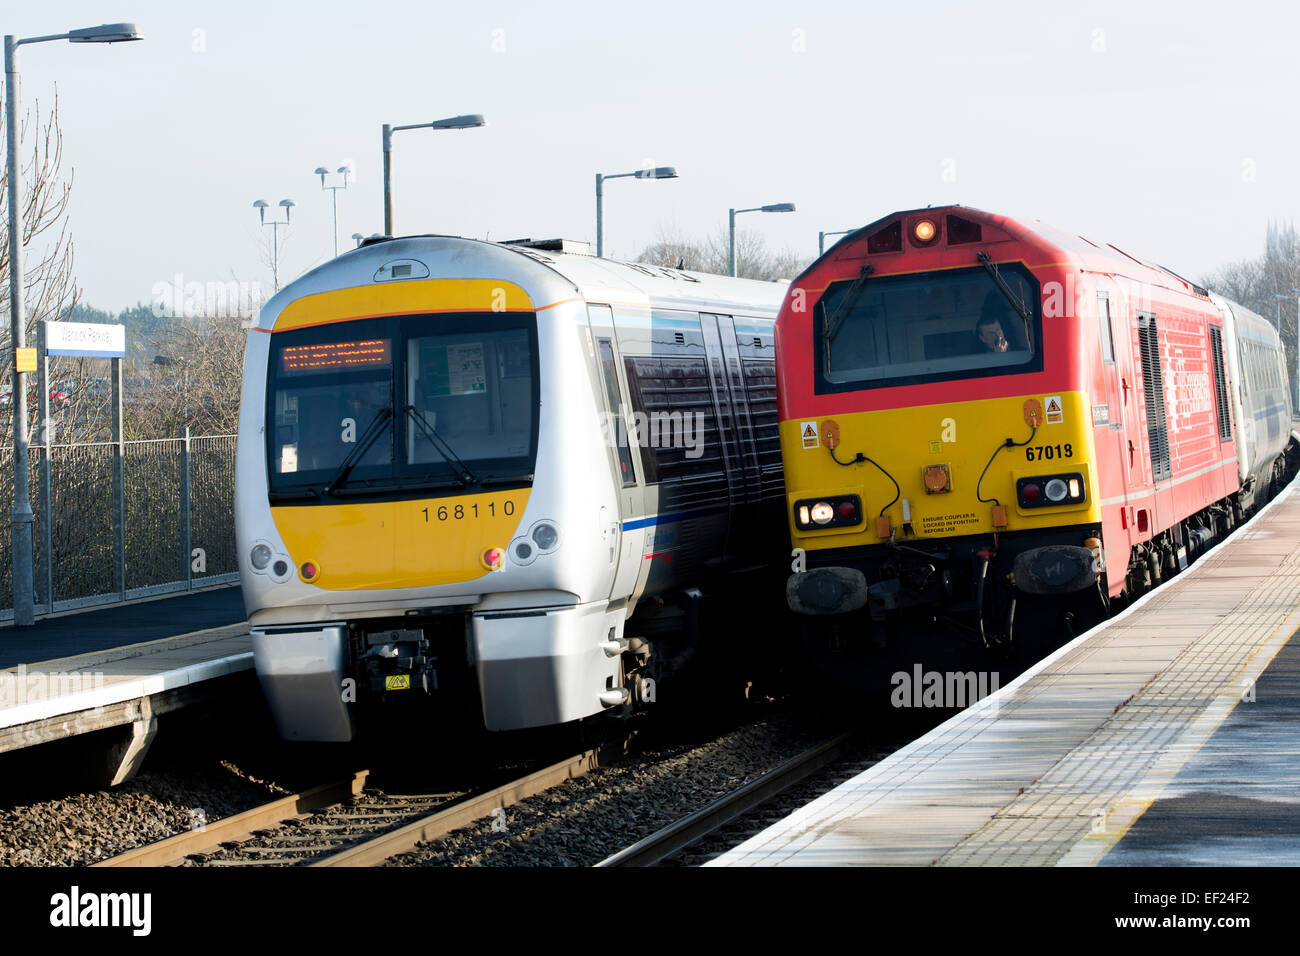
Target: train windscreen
x=411, y=403
x=900, y=330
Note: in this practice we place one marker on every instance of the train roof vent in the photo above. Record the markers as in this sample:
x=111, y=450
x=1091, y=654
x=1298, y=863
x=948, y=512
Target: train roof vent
x=574, y=247
x=961, y=231
x=888, y=239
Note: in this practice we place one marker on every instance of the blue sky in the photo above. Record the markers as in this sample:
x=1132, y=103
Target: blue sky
x=1164, y=128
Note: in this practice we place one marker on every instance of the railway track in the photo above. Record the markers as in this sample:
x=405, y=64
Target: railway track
x=345, y=824
x=705, y=831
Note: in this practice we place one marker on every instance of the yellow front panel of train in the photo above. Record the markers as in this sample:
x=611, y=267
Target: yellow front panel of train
x=401, y=544
x=944, y=447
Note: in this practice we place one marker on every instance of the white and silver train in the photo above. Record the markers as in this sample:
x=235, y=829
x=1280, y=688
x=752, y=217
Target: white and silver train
x=1260, y=395
x=465, y=464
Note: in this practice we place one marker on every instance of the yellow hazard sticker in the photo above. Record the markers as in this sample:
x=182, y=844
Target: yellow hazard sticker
x=808, y=432
x=1055, y=413
x=397, y=682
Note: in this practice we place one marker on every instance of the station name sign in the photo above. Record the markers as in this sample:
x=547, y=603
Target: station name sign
x=85, y=338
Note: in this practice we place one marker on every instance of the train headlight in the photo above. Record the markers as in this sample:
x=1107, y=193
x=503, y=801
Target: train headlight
x=493, y=559
x=309, y=570
x=835, y=511
x=259, y=557
x=546, y=536
x=1047, y=491
x=924, y=230
x=523, y=551
x=280, y=570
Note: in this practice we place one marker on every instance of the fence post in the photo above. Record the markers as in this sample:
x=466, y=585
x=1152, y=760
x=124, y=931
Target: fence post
x=119, y=486
x=185, y=513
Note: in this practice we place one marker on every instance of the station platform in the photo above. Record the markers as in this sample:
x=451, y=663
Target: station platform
x=119, y=667
x=1168, y=735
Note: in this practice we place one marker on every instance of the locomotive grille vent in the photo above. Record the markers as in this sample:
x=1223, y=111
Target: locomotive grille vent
x=1153, y=387
x=679, y=338
x=1220, y=383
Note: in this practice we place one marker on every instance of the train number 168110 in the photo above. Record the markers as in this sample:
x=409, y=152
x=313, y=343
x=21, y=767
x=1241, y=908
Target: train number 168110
x=1048, y=452
x=473, y=510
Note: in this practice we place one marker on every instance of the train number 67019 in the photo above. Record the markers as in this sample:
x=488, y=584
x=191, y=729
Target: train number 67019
x=1048, y=452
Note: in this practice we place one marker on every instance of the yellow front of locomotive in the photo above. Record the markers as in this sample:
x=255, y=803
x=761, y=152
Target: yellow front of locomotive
x=937, y=439
x=396, y=524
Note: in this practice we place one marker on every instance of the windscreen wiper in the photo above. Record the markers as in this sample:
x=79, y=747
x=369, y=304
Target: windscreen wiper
x=520, y=479
x=1017, y=303
x=373, y=431
x=440, y=445
x=850, y=298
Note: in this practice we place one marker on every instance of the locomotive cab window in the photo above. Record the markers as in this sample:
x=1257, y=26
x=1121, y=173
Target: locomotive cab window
x=902, y=330
x=373, y=406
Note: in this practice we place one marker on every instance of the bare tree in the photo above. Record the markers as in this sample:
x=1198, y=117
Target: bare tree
x=1265, y=284
x=753, y=259
x=193, y=378
x=49, y=288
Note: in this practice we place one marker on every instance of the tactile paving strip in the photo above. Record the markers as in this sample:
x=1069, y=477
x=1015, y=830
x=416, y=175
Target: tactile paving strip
x=1077, y=810
x=1055, y=768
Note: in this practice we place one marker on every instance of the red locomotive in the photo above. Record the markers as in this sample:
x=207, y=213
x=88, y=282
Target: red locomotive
x=995, y=422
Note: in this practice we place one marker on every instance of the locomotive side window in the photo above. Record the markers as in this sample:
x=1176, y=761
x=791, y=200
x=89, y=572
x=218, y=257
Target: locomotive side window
x=1103, y=323
x=900, y=330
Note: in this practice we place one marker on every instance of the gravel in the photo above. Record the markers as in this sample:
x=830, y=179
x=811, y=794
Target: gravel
x=585, y=820
x=88, y=827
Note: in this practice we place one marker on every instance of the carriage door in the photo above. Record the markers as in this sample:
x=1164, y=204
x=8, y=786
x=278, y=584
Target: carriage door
x=626, y=529
x=725, y=410
x=1118, y=401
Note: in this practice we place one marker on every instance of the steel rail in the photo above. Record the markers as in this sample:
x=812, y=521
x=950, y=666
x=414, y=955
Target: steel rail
x=464, y=813
x=241, y=826
x=664, y=843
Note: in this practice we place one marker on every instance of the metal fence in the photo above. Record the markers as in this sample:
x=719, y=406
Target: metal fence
x=110, y=525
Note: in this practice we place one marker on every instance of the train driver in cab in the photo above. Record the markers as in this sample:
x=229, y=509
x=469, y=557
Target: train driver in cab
x=989, y=334
x=988, y=330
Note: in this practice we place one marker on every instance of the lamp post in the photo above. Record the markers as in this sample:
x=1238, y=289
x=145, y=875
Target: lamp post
x=821, y=239
x=655, y=172
x=22, y=544
x=322, y=172
x=455, y=122
x=731, y=245
x=261, y=205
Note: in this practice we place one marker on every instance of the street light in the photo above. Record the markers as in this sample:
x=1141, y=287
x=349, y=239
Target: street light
x=24, y=603
x=656, y=172
x=322, y=172
x=261, y=205
x=821, y=239
x=731, y=248
x=469, y=121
